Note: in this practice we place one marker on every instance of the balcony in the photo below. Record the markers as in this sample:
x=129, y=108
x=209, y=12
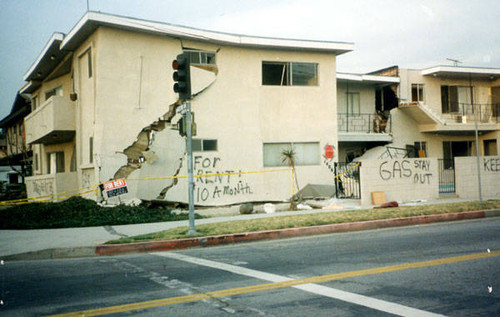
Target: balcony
x=53, y=122
x=460, y=118
x=364, y=127
x=51, y=184
x=467, y=113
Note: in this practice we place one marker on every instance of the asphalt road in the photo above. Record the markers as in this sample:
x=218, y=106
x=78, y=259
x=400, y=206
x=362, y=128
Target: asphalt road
x=413, y=271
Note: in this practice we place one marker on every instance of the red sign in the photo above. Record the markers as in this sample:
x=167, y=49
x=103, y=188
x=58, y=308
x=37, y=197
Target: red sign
x=329, y=151
x=115, y=184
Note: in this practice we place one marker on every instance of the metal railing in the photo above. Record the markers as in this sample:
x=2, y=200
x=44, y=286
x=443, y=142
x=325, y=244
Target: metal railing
x=446, y=176
x=465, y=112
x=363, y=122
x=347, y=185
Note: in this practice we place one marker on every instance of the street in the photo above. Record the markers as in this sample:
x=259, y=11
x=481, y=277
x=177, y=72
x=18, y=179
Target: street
x=450, y=269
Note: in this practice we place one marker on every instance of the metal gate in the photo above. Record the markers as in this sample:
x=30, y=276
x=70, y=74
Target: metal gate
x=446, y=176
x=347, y=184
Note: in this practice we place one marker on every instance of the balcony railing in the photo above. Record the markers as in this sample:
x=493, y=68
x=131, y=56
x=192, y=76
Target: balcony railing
x=51, y=184
x=465, y=112
x=53, y=122
x=364, y=123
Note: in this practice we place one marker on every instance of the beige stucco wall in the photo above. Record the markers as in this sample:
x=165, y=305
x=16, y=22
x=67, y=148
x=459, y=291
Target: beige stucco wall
x=401, y=180
x=467, y=185
x=366, y=96
x=236, y=110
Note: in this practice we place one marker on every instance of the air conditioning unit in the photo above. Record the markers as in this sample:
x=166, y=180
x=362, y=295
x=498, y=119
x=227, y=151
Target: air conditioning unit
x=461, y=119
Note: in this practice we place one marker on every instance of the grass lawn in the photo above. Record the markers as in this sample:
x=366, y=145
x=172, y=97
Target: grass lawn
x=296, y=221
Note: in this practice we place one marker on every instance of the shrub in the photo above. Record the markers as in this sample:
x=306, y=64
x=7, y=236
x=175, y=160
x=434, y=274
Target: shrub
x=80, y=212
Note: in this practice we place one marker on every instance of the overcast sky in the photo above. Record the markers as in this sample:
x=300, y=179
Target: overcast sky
x=408, y=33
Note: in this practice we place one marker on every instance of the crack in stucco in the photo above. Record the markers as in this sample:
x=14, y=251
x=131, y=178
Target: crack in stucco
x=164, y=191
x=142, y=144
x=135, y=152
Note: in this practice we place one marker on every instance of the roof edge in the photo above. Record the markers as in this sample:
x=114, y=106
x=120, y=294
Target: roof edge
x=56, y=37
x=199, y=34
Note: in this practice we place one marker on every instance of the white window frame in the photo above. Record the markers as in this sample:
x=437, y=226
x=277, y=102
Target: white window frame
x=271, y=153
x=287, y=74
x=200, y=145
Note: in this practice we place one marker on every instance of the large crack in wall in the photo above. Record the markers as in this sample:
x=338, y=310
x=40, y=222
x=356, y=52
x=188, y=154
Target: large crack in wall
x=139, y=151
x=135, y=152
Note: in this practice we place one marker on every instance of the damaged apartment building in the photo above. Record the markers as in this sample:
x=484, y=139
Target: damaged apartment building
x=103, y=108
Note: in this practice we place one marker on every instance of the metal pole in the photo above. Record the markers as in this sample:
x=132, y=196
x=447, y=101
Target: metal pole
x=189, y=147
x=477, y=143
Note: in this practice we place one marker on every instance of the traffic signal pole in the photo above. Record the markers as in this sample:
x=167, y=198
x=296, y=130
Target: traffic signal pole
x=182, y=86
x=189, y=148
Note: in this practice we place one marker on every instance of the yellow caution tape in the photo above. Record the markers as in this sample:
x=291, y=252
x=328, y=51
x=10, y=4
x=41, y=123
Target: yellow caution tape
x=93, y=188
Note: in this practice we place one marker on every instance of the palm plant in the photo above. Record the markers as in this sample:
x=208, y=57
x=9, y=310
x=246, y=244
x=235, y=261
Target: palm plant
x=288, y=156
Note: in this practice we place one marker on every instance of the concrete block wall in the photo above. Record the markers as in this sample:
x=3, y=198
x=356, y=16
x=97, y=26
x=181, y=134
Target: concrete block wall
x=466, y=178
x=400, y=179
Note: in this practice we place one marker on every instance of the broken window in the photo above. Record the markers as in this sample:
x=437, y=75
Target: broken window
x=306, y=153
x=201, y=57
x=417, y=92
x=289, y=74
x=204, y=145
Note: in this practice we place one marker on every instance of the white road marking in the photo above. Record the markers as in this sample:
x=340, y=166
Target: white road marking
x=357, y=299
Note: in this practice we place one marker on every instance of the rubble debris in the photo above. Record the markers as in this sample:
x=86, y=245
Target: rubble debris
x=269, y=208
x=387, y=205
x=246, y=208
x=304, y=207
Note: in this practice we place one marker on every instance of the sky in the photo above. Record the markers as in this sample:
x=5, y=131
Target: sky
x=408, y=33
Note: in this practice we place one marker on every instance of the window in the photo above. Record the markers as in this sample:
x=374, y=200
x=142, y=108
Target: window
x=306, y=153
x=91, y=149
x=34, y=103
x=289, y=74
x=417, y=92
x=421, y=149
x=55, y=160
x=455, y=98
x=200, y=145
x=89, y=62
x=53, y=92
x=201, y=58
x=72, y=164
x=353, y=104
x=36, y=162
x=490, y=147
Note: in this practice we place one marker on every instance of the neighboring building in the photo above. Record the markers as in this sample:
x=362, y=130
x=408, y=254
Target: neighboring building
x=16, y=155
x=434, y=113
x=103, y=108
x=364, y=104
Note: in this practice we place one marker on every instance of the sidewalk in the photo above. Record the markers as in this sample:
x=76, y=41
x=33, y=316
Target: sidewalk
x=76, y=242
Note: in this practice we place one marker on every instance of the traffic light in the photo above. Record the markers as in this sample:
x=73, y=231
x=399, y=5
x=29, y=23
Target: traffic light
x=182, y=76
x=181, y=125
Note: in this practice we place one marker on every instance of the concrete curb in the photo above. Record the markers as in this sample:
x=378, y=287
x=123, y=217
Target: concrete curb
x=58, y=253
x=168, y=245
